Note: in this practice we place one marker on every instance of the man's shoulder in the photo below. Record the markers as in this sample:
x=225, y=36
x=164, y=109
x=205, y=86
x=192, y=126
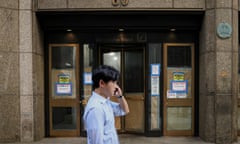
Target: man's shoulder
x=94, y=103
x=93, y=106
x=96, y=99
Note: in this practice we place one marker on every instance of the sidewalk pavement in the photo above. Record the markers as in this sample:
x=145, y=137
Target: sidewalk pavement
x=126, y=139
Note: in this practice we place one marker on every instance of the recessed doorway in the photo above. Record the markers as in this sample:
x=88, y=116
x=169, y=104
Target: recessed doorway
x=129, y=60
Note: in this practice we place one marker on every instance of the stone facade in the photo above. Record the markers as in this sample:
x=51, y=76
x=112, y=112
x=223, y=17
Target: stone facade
x=21, y=60
x=22, y=63
x=218, y=74
x=9, y=62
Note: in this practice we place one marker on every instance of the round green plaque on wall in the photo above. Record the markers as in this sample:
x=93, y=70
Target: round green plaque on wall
x=224, y=30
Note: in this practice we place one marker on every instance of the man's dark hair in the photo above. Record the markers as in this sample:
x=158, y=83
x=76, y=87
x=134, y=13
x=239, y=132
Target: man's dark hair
x=105, y=73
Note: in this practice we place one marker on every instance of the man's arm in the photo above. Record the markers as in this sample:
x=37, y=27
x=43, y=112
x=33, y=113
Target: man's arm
x=121, y=100
x=123, y=104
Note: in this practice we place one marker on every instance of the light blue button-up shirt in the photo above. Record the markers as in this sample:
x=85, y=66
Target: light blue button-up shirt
x=99, y=120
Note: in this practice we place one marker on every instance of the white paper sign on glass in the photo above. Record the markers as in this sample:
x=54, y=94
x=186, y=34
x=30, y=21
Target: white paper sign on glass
x=179, y=86
x=88, y=78
x=171, y=94
x=154, y=85
x=63, y=89
x=155, y=69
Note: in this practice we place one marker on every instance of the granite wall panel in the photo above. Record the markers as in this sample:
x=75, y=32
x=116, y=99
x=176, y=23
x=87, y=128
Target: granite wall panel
x=38, y=39
x=52, y=4
x=83, y=4
x=9, y=63
x=235, y=28
x=26, y=87
x=223, y=113
x=223, y=72
x=38, y=80
x=132, y=4
x=38, y=96
x=238, y=4
x=25, y=4
x=207, y=96
x=10, y=118
x=9, y=30
x=26, y=74
x=207, y=37
x=224, y=3
x=207, y=76
x=151, y=4
x=25, y=31
x=9, y=4
x=235, y=66
x=235, y=4
x=190, y=4
x=39, y=118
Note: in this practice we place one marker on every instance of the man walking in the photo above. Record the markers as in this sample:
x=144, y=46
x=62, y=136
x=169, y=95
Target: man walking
x=100, y=110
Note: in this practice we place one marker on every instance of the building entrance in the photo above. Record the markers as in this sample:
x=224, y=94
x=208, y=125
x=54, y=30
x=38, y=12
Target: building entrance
x=157, y=70
x=156, y=79
x=129, y=60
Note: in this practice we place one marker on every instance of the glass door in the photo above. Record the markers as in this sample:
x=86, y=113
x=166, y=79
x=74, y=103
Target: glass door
x=129, y=60
x=63, y=90
x=178, y=89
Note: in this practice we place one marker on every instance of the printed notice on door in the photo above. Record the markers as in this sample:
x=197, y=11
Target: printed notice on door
x=179, y=86
x=178, y=76
x=63, y=89
x=155, y=69
x=171, y=94
x=88, y=78
x=155, y=85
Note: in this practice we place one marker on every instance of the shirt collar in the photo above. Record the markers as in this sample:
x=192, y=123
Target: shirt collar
x=100, y=98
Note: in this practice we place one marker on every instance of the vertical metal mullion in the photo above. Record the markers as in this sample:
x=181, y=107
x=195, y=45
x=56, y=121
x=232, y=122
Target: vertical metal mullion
x=122, y=81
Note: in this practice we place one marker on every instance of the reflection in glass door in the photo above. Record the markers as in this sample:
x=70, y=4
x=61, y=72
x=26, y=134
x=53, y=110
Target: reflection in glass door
x=63, y=92
x=179, y=89
x=129, y=60
x=114, y=59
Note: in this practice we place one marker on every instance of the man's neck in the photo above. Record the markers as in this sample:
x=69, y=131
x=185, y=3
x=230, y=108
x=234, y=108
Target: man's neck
x=99, y=92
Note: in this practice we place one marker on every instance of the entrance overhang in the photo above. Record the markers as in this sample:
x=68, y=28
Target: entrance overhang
x=108, y=21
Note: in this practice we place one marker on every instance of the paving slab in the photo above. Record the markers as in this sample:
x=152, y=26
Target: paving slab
x=126, y=139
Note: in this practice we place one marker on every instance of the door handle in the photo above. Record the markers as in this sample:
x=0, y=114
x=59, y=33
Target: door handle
x=83, y=102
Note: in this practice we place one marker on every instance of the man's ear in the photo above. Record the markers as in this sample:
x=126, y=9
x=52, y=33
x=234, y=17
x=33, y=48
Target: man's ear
x=101, y=83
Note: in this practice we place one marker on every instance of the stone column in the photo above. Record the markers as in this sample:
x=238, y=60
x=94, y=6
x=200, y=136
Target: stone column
x=218, y=73
x=31, y=73
x=38, y=77
x=26, y=71
x=226, y=73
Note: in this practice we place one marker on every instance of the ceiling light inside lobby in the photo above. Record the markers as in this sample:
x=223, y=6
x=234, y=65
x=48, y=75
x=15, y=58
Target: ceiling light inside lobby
x=121, y=29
